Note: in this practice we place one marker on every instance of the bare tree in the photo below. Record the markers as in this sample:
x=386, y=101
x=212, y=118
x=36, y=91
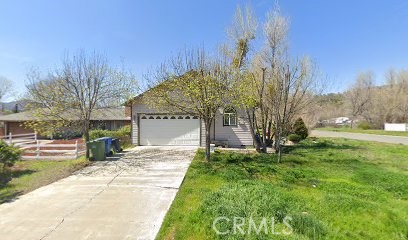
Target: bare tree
x=70, y=94
x=389, y=103
x=359, y=96
x=192, y=83
x=293, y=88
x=276, y=30
x=6, y=87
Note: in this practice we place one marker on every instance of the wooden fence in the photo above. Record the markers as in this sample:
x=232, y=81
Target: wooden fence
x=53, y=151
x=20, y=139
x=37, y=149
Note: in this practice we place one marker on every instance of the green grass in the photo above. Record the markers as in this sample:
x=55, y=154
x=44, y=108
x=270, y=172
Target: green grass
x=332, y=189
x=31, y=174
x=368, y=131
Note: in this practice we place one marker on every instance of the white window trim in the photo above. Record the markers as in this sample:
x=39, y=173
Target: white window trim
x=230, y=116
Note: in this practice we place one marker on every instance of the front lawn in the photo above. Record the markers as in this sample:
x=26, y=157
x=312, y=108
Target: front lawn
x=31, y=174
x=368, y=131
x=329, y=189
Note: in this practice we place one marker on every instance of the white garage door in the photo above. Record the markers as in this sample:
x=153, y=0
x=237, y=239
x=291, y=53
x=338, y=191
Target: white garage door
x=178, y=130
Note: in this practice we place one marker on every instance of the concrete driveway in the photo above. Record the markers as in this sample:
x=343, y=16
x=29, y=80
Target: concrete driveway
x=125, y=198
x=362, y=136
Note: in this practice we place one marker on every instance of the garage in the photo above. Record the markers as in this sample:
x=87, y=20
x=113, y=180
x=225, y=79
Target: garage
x=177, y=130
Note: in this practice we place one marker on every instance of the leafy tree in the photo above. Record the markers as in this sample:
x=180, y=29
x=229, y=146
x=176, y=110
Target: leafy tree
x=191, y=83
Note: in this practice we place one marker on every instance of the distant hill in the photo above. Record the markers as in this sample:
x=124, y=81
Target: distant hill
x=15, y=106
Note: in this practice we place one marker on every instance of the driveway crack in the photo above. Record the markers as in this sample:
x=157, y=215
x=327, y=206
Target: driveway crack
x=80, y=207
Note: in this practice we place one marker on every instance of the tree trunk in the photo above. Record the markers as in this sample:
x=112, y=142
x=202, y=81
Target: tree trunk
x=86, y=135
x=278, y=148
x=252, y=130
x=264, y=139
x=207, y=139
x=276, y=143
x=264, y=115
x=269, y=132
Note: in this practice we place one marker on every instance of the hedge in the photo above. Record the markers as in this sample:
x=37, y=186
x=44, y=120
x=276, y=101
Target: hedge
x=123, y=134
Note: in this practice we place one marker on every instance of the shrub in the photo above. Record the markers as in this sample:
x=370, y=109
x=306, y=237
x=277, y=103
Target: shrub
x=67, y=135
x=8, y=156
x=364, y=125
x=123, y=134
x=294, y=138
x=98, y=133
x=299, y=128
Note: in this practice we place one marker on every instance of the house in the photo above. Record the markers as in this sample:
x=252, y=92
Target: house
x=12, y=107
x=342, y=120
x=151, y=127
x=106, y=118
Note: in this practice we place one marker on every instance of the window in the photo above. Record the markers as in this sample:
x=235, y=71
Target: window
x=230, y=117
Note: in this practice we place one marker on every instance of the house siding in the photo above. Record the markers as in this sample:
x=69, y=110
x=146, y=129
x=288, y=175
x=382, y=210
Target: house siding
x=137, y=109
x=237, y=136
x=202, y=135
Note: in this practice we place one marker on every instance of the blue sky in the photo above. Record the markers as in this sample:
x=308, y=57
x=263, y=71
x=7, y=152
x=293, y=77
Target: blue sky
x=342, y=36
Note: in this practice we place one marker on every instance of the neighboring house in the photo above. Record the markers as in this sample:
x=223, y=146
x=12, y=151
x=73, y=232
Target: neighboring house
x=110, y=119
x=342, y=120
x=152, y=127
x=12, y=107
x=335, y=121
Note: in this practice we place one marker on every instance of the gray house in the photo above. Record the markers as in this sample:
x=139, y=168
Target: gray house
x=155, y=128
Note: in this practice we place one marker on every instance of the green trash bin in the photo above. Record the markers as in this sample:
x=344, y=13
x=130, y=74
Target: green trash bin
x=97, y=150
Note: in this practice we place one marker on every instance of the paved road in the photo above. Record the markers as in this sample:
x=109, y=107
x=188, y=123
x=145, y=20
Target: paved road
x=123, y=199
x=362, y=136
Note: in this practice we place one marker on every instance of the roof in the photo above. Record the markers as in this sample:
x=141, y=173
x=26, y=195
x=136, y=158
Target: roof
x=133, y=99
x=129, y=102
x=101, y=114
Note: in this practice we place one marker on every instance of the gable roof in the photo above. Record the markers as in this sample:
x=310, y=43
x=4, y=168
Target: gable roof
x=101, y=114
x=140, y=95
